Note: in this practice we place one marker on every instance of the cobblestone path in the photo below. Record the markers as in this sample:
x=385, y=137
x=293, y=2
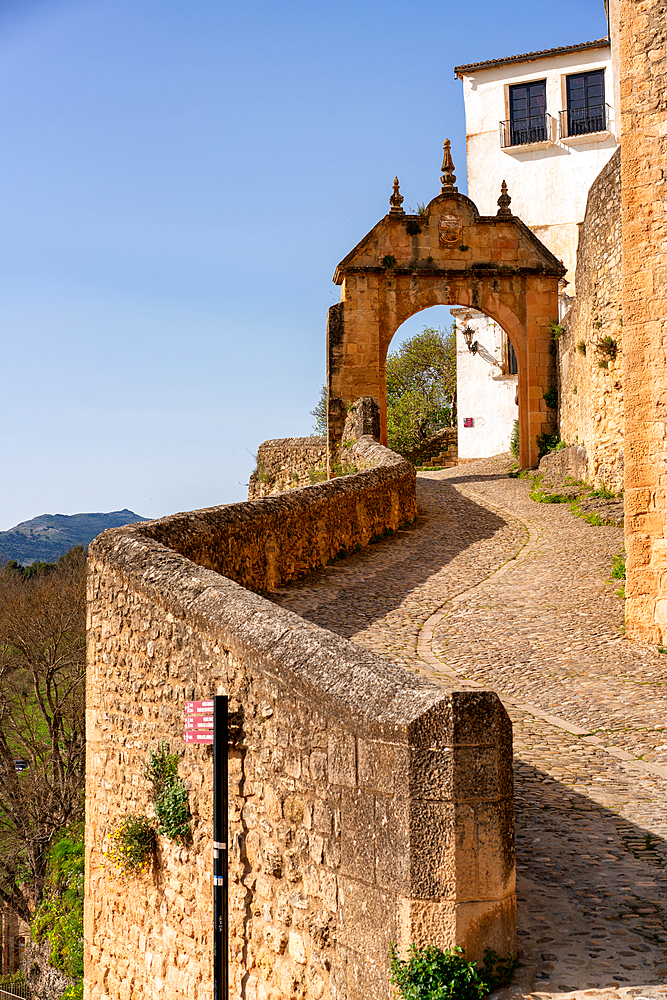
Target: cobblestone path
x=490, y=589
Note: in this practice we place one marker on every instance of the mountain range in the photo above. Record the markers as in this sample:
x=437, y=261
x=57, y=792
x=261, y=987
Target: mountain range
x=49, y=536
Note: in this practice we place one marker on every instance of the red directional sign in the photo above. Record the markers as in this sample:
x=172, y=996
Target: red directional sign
x=199, y=721
x=195, y=707
x=198, y=736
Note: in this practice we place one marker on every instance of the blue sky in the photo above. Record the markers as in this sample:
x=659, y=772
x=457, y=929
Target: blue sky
x=178, y=181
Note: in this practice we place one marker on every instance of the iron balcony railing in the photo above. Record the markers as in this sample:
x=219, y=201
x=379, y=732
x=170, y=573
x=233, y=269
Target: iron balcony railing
x=583, y=121
x=524, y=131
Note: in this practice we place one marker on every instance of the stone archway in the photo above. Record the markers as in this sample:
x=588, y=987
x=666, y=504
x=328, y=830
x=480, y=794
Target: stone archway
x=450, y=255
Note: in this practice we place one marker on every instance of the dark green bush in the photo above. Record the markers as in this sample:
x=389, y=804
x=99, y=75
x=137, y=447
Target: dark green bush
x=548, y=442
x=432, y=974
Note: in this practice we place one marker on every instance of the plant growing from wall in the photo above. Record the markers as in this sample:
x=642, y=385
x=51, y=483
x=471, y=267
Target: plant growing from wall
x=607, y=348
x=618, y=572
x=551, y=397
x=317, y=474
x=514, y=440
x=132, y=845
x=170, y=797
x=581, y=347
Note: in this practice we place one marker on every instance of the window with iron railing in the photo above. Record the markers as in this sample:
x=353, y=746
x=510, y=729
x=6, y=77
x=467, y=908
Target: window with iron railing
x=528, y=122
x=584, y=121
x=525, y=131
x=586, y=109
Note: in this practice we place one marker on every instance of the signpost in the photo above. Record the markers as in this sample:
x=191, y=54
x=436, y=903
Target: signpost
x=208, y=722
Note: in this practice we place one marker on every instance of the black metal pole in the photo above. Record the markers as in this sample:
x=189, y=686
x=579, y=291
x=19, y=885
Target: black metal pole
x=220, y=868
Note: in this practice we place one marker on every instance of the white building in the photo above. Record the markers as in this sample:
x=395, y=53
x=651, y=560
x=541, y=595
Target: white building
x=544, y=122
x=486, y=385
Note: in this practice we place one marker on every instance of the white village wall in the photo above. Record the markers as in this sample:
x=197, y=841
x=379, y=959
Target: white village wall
x=548, y=186
x=485, y=392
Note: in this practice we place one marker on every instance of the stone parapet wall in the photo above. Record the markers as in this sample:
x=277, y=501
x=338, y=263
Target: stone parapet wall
x=591, y=399
x=366, y=805
x=267, y=542
x=287, y=463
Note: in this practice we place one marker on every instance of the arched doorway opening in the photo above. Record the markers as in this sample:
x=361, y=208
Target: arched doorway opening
x=486, y=377
x=446, y=255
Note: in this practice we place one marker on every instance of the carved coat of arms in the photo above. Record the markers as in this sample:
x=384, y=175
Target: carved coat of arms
x=450, y=229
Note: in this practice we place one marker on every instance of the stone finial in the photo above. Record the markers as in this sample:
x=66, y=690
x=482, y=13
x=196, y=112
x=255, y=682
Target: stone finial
x=396, y=200
x=448, y=175
x=504, y=201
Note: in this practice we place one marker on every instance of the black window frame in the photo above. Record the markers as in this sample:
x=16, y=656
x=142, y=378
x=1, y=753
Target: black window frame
x=590, y=113
x=530, y=127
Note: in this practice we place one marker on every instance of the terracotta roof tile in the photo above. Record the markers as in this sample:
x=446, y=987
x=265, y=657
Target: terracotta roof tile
x=527, y=56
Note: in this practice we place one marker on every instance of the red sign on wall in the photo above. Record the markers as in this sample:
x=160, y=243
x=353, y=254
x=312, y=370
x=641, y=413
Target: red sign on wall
x=198, y=736
x=198, y=722
x=193, y=707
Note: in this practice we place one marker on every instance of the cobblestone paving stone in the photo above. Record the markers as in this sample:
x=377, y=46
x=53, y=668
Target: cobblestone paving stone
x=449, y=599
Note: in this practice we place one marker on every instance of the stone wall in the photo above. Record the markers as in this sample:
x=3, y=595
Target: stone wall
x=366, y=805
x=287, y=463
x=643, y=88
x=264, y=543
x=591, y=381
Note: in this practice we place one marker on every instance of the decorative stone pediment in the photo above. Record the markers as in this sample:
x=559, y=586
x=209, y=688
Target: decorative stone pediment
x=450, y=236
x=448, y=254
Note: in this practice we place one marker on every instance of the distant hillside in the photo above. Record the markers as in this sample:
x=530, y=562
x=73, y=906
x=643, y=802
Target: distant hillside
x=49, y=536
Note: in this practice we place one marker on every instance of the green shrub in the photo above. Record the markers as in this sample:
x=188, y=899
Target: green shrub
x=581, y=347
x=514, y=440
x=549, y=442
x=432, y=974
x=74, y=992
x=59, y=916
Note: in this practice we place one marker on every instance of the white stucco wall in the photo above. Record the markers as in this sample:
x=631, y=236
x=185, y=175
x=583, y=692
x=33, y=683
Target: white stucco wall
x=548, y=187
x=484, y=392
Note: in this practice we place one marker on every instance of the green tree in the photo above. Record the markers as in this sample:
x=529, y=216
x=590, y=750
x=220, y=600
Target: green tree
x=320, y=414
x=42, y=733
x=421, y=387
